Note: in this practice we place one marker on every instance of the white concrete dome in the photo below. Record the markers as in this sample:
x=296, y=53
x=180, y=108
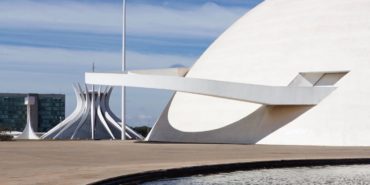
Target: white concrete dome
x=271, y=45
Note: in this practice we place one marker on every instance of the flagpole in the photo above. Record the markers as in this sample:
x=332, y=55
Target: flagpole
x=123, y=103
x=92, y=106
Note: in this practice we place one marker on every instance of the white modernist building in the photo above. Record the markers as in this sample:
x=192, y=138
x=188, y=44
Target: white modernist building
x=287, y=72
x=91, y=119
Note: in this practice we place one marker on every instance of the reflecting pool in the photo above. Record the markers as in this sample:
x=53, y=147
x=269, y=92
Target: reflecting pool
x=353, y=174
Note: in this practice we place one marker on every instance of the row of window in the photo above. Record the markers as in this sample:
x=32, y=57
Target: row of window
x=13, y=112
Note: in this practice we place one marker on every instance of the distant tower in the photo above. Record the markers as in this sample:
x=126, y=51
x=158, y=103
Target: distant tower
x=28, y=132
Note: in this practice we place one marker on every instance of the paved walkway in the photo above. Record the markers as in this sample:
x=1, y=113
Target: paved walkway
x=81, y=162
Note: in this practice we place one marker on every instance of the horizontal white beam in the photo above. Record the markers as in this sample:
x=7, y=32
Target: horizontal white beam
x=261, y=94
x=163, y=72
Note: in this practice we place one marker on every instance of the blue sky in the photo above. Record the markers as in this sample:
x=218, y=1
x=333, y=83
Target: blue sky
x=46, y=45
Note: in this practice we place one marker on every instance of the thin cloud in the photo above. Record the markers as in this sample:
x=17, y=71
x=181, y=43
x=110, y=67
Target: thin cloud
x=205, y=21
x=80, y=61
x=66, y=15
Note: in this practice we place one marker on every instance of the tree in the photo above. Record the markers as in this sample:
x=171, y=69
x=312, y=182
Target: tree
x=143, y=130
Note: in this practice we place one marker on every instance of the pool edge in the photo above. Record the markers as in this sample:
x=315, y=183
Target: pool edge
x=153, y=175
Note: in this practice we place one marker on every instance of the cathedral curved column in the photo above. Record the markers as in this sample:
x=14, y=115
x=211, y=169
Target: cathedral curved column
x=78, y=124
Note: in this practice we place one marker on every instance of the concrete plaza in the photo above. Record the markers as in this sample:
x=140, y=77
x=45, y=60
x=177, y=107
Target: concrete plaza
x=81, y=162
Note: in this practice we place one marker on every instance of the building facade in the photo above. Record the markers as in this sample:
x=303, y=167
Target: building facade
x=48, y=110
x=287, y=73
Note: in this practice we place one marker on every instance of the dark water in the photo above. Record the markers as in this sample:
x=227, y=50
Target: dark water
x=341, y=175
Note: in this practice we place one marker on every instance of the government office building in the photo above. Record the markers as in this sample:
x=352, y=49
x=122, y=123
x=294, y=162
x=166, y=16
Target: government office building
x=47, y=112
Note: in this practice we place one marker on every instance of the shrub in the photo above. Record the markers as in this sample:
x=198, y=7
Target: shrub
x=143, y=130
x=4, y=136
